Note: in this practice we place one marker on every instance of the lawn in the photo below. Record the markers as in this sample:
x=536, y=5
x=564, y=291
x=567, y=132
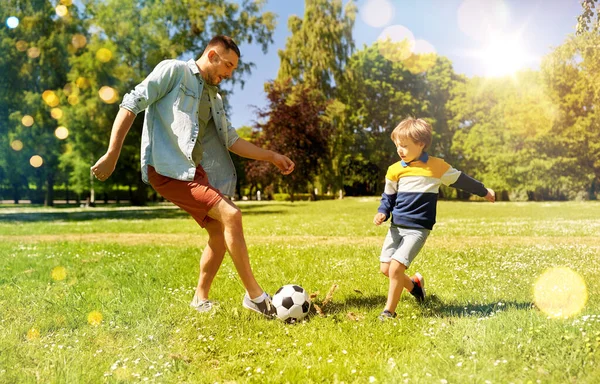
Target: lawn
x=101, y=295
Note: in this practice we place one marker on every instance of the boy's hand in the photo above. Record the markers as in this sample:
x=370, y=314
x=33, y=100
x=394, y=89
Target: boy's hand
x=491, y=195
x=379, y=218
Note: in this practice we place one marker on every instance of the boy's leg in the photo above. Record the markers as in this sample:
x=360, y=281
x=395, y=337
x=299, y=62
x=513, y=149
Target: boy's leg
x=398, y=281
x=384, y=267
x=211, y=259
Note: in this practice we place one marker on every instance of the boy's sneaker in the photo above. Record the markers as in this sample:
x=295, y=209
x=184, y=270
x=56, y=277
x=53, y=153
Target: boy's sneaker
x=264, y=308
x=386, y=315
x=203, y=306
x=419, y=290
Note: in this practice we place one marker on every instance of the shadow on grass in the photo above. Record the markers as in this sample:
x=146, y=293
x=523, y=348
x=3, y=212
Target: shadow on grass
x=120, y=213
x=434, y=306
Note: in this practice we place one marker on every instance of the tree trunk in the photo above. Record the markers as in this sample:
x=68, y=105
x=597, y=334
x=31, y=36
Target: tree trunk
x=140, y=198
x=49, y=201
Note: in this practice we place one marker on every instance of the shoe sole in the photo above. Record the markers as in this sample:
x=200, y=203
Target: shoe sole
x=255, y=310
x=421, y=280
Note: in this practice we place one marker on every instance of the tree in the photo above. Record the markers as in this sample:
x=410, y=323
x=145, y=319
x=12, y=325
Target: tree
x=378, y=92
x=585, y=21
x=36, y=49
x=295, y=128
x=314, y=58
x=572, y=73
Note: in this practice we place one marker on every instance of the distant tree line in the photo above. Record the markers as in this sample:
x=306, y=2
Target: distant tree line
x=331, y=108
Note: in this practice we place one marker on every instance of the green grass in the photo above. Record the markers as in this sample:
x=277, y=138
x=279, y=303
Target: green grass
x=138, y=268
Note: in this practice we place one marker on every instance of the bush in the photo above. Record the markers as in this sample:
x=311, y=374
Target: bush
x=300, y=197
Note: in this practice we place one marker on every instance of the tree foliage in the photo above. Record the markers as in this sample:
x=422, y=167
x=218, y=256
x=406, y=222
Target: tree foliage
x=90, y=56
x=296, y=128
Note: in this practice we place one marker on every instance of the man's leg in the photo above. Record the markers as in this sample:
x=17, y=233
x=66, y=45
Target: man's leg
x=231, y=218
x=211, y=259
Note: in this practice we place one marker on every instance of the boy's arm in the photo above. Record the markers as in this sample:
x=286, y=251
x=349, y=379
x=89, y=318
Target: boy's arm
x=457, y=179
x=388, y=199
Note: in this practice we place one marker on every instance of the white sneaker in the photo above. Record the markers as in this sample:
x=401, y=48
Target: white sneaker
x=203, y=306
x=265, y=308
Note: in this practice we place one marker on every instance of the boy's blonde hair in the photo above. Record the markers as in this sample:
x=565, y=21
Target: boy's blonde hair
x=418, y=130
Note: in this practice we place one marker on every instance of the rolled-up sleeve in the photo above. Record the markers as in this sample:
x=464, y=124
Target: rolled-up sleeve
x=232, y=135
x=158, y=83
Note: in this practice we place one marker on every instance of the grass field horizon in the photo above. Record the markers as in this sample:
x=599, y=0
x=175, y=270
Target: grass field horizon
x=101, y=295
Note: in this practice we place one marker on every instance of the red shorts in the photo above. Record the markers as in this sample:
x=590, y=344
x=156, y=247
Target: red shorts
x=195, y=197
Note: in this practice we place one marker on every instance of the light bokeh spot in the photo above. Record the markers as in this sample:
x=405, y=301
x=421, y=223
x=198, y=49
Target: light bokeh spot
x=82, y=82
x=560, y=292
x=396, y=43
x=103, y=55
x=27, y=120
x=36, y=161
x=16, y=145
x=94, y=318
x=50, y=98
x=66, y=2
x=33, y=52
x=377, y=13
x=58, y=273
x=21, y=45
x=61, y=132
x=56, y=113
x=12, y=22
x=33, y=334
x=61, y=10
x=480, y=19
x=108, y=95
x=78, y=41
x=73, y=99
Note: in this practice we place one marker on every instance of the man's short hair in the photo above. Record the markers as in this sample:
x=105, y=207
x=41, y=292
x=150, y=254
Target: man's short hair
x=225, y=42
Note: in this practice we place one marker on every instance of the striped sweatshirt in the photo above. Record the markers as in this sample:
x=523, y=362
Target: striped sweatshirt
x=411, y=190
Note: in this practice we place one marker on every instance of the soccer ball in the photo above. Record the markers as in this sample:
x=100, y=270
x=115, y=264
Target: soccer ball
x=292, y=303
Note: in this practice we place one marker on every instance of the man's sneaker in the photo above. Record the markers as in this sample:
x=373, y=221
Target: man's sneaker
x=386, y=315
x=419, y=290
x=265, y=308
x=203, y=306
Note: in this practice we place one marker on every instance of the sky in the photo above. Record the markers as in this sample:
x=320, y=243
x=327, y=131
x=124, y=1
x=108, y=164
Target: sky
x=481, y=37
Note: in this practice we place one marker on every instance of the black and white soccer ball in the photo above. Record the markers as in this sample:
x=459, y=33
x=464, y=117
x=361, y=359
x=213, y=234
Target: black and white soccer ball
x=292, y=303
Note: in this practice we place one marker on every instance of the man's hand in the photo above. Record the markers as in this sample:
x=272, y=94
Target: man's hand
x=104, y=167
x=285, y=165
x=491, y=196
x=379, y=218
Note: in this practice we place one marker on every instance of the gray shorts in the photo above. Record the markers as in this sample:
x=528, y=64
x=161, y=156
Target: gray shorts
x=403, y=244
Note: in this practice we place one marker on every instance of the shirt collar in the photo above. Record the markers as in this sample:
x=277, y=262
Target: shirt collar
x=424, y=157
x=194, y=67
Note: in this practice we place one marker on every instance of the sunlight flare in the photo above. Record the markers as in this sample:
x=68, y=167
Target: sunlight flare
x=560, y=292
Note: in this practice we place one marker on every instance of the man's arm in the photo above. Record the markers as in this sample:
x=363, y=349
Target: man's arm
x=105, y=166
x=246, y=149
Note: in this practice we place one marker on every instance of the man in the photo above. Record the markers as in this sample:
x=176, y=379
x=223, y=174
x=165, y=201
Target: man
x=185, y=147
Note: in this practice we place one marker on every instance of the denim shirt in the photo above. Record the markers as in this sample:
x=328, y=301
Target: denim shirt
x=170, y=95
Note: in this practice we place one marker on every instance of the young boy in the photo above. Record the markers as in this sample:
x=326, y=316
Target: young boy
x=410, y=197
